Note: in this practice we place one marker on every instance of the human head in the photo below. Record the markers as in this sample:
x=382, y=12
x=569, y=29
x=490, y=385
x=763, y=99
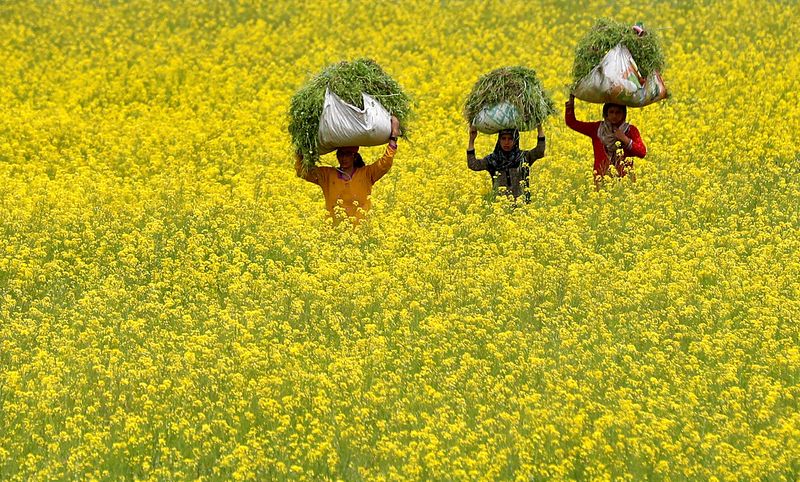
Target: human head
x=507, y=139
x=349, y=157
x=615, y=113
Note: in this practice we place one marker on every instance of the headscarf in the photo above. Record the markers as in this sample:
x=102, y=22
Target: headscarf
x=500, y=160
x=606, y=134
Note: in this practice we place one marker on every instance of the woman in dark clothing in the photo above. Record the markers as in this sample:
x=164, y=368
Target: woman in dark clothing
x=508, y=165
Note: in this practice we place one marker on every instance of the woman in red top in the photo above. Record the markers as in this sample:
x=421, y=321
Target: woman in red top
x=615, y=142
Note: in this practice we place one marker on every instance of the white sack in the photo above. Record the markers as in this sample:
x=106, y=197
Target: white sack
x=342, y=124
x=491, y=120
x=617, y=79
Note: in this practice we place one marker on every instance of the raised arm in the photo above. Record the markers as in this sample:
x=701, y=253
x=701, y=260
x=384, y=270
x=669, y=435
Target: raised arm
x=311, y=174
x=585, y=128
x=472, y=161
x=379, y=168
x=538, y=151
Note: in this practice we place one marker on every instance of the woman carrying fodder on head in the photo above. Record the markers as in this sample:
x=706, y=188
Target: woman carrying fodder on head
x=618, y=66
x=346, y=106
x=615, y=142
x=506, y=101
x=347, y=189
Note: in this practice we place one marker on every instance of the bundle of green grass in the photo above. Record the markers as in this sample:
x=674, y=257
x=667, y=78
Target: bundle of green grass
x=606, y=34
x=348, y=80
x=517, y=91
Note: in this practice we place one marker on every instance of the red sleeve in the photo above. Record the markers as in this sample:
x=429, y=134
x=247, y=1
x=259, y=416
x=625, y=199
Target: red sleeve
x=585, y=128
x=637, y=149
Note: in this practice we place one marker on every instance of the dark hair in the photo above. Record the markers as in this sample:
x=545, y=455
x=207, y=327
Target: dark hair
x=358, y=161
x=609, y=105
x=508, y=132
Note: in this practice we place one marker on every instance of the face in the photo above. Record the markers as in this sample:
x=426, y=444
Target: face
x=615, y=115
x=506, y=142
x=346, y=159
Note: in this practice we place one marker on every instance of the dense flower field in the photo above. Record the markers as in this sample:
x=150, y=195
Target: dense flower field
x=175, y=304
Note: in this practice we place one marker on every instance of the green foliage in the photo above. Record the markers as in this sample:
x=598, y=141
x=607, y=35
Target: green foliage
x=517, y=85
x=605, y=35
x=348, y=80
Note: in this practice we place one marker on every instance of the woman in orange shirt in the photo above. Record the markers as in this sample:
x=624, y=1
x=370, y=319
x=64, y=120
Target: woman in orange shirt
x=349, y=186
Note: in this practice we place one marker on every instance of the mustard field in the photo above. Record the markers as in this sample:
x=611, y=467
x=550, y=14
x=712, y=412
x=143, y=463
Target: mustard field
x=175, y=304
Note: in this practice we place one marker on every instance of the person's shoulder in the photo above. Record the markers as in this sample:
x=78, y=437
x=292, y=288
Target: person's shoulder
x=324, y=172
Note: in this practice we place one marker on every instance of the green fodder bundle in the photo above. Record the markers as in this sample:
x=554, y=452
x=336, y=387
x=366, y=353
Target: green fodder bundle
x=605, y=35
x=348, y=80
x=518, y=86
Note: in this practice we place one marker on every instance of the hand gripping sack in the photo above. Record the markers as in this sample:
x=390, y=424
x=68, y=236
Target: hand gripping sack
x=342, y=124
x=491, y=120
x=617, y=79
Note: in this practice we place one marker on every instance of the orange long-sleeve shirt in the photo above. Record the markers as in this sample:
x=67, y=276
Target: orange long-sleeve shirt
x=353, y=193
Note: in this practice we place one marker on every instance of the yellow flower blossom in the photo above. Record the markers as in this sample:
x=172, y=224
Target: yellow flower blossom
x=176, y=304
